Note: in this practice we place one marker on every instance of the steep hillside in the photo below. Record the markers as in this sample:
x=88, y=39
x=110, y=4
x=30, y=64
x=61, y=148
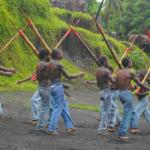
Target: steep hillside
x=52, y=23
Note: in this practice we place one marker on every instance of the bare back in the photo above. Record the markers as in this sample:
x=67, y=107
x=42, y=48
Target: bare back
x=103, y=79
x=42, y=74
x=56, y=71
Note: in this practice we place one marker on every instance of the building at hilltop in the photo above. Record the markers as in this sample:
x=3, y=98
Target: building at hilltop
x=73, y=5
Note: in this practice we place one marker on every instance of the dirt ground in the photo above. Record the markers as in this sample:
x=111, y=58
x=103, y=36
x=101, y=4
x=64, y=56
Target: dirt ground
x=17, y=134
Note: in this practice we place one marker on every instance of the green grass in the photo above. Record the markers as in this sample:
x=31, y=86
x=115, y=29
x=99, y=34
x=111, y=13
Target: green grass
x=85, y=107
x=51, y=23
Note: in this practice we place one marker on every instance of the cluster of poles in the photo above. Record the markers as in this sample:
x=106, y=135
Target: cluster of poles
x=71, y=29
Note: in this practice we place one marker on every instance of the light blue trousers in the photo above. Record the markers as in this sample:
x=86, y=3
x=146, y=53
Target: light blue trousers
x=105, y=105
x=45, y=107
x=114, y=116
x=60, y=108
x=126, y=98
x=1, y=110
x=35, y=105
x=142, y=108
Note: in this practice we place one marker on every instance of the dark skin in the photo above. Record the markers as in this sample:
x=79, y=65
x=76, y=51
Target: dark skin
x=57, y=70
x=24, y=80
x=124, y=78
x=42, y=72
x=7, y=71
x=104, y=77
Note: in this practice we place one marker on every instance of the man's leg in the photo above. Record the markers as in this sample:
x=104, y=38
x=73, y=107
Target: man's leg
x=106, y=99
x=126, y=99
x=58, y=104
x=45, y=107
x=147, y=111
x=35, y=105
x=67, y=117
x=136, y=114
x=1, y=111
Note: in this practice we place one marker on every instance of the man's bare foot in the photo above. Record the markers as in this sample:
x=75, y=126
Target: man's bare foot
x=53, y=133
x=134, y=131
x=34, y=122
x=124, y=138
x=104, y=132
x=111, y=129
x=2, y=117
x=71, y=130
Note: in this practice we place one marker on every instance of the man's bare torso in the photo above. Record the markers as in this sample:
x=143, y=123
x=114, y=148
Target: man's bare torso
x=42, y=74
x=123, y=79
x=102, y=78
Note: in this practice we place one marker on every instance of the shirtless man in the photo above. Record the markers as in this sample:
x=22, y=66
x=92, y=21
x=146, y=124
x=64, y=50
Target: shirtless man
x=60, y=105
x=5, y=72
x=104, y=78
x=123, y=83
x=42, y=73
x=142, y=108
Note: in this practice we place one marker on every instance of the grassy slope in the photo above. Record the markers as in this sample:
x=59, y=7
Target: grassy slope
x=51, y=23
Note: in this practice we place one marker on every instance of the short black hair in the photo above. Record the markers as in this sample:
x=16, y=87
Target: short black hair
x=102, y=60
x=125, y=61
x=55, y=53
x=43, y=53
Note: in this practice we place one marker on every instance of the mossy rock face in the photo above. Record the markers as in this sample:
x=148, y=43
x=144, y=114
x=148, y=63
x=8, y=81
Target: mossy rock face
x=52, y=23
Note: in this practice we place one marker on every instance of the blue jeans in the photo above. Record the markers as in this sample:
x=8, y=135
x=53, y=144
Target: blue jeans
x=126, y=99
x=45, y=107
x=114, y=116
x=35, y=105
x=60, y=108
x=140, y=108
x=1, y=110
x=105, y=104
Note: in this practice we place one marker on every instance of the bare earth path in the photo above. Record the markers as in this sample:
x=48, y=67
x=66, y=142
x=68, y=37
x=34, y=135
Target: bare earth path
x=17, y=134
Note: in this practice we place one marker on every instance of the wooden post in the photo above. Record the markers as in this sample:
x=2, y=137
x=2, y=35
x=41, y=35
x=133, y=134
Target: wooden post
x=106, y=41
x=40, y=38
x=66, y=34
x=29, y=43
x=143, y=81
x=9, y=42
x=63, y=38
x=86, y=46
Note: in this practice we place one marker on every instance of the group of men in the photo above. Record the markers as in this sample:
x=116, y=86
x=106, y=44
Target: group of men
x=49, y=104
x=119, y=87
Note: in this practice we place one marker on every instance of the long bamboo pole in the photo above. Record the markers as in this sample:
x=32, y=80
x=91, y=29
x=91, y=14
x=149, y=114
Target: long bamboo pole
x=144, y=79
x=29, y=43
x=39, y=36
x=63, y=38
x=9, y=42
x=66, y=35
x=106, y=41
x=86, y=46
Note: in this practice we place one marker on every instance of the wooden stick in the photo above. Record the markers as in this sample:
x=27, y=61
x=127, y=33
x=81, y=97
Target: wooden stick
x=146, y=76
x=66, y=34
x=9, y=42
x=107, y=43
x=29, y=43
x=144, y=79
x=63, y=38
x=40, y=38
x=86, y=46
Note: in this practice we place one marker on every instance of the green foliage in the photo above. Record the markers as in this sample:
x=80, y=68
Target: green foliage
x=85, y=107
x=133, y=18
x=92, y=6
x=51, y=23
